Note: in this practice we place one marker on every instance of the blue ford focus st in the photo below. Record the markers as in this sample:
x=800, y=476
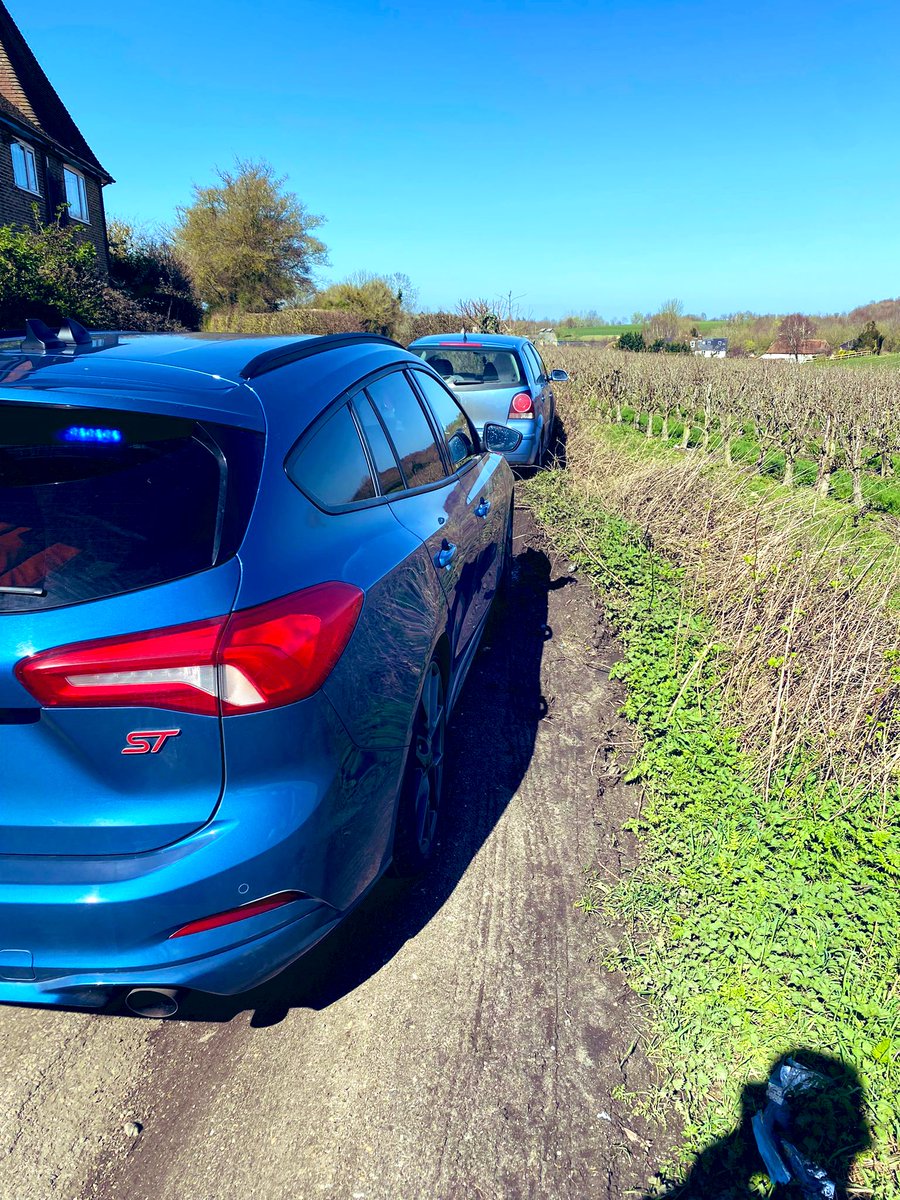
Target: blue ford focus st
x=241, y=583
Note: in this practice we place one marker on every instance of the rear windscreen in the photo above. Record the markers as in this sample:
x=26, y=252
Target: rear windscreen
x=479, y=367
x=96, y=502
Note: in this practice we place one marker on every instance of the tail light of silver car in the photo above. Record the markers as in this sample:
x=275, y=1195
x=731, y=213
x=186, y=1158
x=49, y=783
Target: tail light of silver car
x=521, y=406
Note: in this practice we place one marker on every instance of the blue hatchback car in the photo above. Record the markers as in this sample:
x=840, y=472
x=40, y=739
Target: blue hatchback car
x=241, y=583
x=500, y=379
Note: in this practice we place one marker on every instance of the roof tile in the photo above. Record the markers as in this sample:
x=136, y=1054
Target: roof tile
x=27, y=94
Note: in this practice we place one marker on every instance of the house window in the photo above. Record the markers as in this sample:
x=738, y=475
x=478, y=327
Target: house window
x=76, y=194
x=24, y=167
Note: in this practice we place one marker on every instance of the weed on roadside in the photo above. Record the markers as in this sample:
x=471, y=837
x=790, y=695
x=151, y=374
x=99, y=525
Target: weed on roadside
x=770, y=892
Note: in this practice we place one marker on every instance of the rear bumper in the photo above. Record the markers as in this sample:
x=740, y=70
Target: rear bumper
x=225, y=972
x=72, y=929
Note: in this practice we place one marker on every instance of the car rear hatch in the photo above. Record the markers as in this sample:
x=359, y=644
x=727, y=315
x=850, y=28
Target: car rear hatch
x=484, y=406
x=112, y=523
x=485, y=378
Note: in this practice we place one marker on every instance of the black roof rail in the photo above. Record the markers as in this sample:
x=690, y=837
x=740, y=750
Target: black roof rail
x=280, y=356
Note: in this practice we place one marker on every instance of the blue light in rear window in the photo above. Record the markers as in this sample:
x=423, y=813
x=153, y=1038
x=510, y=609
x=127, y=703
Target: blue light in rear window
x=90, y=433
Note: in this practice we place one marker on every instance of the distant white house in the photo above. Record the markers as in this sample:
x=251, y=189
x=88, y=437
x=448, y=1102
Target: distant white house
x=807, y=349
x=709, y=347
x=546, y=337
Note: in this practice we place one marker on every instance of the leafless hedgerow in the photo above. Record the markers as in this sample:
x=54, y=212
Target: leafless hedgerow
x=799, y=598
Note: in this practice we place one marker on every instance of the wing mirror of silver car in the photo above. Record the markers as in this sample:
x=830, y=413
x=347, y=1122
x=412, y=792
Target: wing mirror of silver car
x=559, y=376
x=500, y=439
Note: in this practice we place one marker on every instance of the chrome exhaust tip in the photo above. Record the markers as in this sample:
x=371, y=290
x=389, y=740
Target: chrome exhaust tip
x=153, y=1002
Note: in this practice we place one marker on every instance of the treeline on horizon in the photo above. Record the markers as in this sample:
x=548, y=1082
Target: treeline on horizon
x=747, y=332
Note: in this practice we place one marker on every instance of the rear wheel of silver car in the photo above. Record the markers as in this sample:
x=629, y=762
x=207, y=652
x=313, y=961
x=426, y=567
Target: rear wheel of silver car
x=423, y=779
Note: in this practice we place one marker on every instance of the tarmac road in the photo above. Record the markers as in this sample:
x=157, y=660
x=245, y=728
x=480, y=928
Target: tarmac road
x=456, y=1038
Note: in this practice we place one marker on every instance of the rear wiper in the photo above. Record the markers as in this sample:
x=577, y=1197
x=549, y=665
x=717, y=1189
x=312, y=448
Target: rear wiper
x=17, y=591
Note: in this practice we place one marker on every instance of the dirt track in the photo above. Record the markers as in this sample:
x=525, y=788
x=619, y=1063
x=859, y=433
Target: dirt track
x=454, y=1039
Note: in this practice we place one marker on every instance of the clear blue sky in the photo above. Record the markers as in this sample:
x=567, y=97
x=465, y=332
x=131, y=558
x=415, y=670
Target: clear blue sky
x=596, y=155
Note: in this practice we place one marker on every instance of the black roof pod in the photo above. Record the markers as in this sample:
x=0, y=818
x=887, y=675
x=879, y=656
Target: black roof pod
x=39, y=336
x=73, y=334
x=280, y=356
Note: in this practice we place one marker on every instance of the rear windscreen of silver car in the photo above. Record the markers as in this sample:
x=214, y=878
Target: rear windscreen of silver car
x=475, y=366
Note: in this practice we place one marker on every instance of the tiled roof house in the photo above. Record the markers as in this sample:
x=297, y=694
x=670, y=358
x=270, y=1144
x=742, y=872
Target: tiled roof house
x=808, y=348
x=44, y=158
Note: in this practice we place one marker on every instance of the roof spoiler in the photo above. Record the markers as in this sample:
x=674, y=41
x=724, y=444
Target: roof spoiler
x=280, y=356
x=41, y=338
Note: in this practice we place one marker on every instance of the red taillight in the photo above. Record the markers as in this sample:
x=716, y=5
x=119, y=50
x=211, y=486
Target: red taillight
x=521, y=406
x=231, y=915
x=258, y=658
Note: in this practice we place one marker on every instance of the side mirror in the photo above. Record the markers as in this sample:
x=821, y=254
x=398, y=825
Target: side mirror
x=559, y=376
x=500, y=439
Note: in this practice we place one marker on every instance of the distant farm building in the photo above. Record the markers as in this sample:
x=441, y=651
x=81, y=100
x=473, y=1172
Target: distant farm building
x=808, y=348
x=709, y=347
x=546, y=337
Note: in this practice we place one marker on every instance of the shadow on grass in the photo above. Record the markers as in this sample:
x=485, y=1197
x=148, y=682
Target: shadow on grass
x=828, y=1127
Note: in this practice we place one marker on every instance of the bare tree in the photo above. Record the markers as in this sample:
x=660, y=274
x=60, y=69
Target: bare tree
x=794, y=330
x=665, y=325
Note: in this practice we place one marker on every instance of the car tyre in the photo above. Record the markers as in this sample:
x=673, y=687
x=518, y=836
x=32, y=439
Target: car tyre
x=423, y=777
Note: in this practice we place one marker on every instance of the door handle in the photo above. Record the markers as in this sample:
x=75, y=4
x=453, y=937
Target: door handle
x=483, y=508
x=445, y=556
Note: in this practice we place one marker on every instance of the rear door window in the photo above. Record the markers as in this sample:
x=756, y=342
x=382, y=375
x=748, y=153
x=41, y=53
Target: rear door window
x=408, y=428
x=462, y=443
x=389, y=477
x=331, y=465
x=97, y=502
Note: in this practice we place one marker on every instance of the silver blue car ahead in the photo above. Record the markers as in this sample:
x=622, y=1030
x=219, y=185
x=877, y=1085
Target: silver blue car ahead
x=241, y=584
x=501, y=379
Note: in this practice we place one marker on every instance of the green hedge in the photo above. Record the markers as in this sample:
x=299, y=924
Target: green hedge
x=286, y=321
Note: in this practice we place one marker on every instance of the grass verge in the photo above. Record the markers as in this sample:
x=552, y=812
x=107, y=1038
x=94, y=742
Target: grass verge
x=771, y=898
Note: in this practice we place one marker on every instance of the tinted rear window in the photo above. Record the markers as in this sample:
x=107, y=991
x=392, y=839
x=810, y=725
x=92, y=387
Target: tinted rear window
x=476, y=367
x=331, y=465
x=95, y=502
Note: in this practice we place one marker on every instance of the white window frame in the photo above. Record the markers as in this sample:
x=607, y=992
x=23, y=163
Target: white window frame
x=29, y=156
x=81, y=188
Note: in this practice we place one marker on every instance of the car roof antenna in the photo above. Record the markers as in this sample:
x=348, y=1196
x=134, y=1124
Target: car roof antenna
x=39, y=336
x=73, y=334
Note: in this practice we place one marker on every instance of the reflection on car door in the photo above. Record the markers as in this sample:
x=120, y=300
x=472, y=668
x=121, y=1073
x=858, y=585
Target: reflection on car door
x=486, y=497
x=438, y=513
x=486, y=490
